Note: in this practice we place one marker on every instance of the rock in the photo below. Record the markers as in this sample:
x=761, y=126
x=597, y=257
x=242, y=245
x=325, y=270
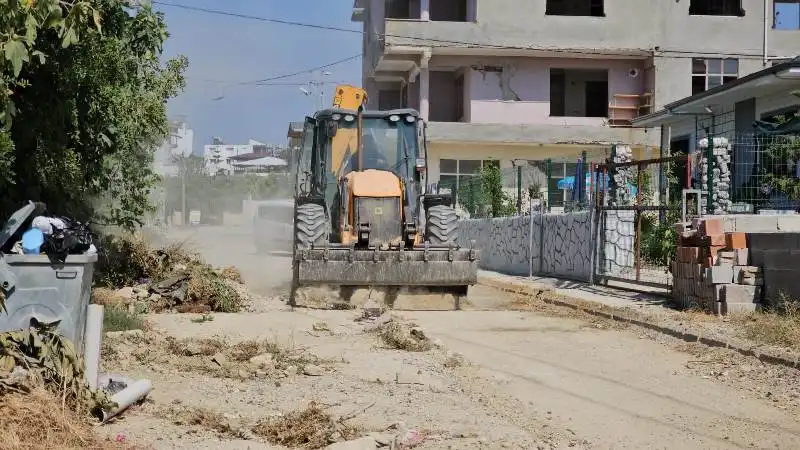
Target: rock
x=364, y=443
x=313, y=371
x=261, y=361
x=155, y=297
x=382, y=439
x=127, y=293
x=221, y=359
x=193, y=349
x=407, y=377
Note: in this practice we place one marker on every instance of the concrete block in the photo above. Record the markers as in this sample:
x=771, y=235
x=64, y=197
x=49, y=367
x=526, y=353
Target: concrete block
x=736, y=240
x=720, y=274
x=725, y=257
x=787, y=223
x=741, y=257
x=756, y=224
x=773, y=241
x=781, y=259
x=738, y=308
x=737, y=293
x=779, y=283
x=718, y=292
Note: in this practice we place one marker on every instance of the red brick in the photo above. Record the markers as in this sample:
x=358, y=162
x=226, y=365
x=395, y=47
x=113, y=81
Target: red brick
x=735, y=240
x=715, y=240
x=711, y=227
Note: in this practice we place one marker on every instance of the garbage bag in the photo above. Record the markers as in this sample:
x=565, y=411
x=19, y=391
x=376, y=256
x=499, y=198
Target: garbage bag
x=74, y=239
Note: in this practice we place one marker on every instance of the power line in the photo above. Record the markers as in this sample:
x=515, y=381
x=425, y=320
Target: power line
x=450, y=43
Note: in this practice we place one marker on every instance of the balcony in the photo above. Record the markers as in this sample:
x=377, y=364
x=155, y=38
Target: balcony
x=545, y=134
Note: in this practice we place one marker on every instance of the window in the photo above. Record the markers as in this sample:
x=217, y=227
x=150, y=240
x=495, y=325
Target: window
x=710, y=73
x=456, y=175
x=716, y=8
x=452, y=11
x=787, y=15
x=575, y=8
x=559, y=171
x=578, y=93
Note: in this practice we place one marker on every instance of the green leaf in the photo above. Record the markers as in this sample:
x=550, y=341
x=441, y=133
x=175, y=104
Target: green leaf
x=70, y=37
x=17, y=54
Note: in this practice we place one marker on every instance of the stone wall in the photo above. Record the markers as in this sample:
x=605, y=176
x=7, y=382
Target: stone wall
x=506, y=246
x=618, y=233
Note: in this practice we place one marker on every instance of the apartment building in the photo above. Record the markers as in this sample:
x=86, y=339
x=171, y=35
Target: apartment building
x=524, y=81
x=220, y=158
x=178, y=143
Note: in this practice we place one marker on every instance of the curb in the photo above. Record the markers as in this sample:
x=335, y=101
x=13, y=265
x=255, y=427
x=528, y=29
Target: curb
x=766, y=355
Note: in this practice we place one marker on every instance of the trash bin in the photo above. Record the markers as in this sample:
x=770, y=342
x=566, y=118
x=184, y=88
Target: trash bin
x=39, y=290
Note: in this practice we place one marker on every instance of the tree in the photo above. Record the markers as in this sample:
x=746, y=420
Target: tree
x=89, y=110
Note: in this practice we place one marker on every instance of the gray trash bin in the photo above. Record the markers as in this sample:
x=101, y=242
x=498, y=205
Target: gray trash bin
x=40, y=290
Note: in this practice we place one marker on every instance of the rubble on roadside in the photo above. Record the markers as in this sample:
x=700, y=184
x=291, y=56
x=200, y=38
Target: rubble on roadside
x=212, y=356
x=142, y=279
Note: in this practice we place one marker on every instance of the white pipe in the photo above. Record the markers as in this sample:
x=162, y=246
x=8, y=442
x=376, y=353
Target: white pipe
x=127, y=397
x=93, y=337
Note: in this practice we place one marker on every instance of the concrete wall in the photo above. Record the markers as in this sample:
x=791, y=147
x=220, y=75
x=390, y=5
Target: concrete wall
x=561, y=244
x=627, y=25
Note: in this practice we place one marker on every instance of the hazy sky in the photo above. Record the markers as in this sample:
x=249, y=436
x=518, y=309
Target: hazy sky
x=223, y=51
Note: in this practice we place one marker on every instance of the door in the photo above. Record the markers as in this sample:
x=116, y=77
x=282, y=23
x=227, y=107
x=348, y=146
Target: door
x=597, y=99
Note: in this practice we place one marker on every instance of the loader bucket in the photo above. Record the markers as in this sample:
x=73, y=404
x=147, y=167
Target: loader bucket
x=389, y=275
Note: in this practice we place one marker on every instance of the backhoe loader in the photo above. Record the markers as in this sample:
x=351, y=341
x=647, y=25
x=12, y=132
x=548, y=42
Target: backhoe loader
x=363, y=221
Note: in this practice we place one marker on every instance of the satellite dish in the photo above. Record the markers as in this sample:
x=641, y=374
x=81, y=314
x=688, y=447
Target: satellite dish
x=633, y=73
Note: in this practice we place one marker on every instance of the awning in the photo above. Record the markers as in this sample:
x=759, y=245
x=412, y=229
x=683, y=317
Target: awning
x=784, y=77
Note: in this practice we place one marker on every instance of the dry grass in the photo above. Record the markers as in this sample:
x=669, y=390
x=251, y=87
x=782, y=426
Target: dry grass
x=402, y=337
x=120, y=319
x=38, y=419
x=202, y=417
x=780, y=326
x=107, y=297
x=541, y=304
x=232, y=274
x=200, y=355
x=312, y=428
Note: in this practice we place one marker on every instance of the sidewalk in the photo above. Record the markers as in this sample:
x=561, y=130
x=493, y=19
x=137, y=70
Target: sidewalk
x=644, y=310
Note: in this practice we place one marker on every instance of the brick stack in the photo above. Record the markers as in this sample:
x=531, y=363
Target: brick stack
x=711, y=269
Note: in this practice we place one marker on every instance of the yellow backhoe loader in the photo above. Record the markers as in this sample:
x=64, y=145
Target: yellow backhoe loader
x=363, y=221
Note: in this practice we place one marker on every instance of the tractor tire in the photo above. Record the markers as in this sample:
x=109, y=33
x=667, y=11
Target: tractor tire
x=311, y=226
x=441, y=225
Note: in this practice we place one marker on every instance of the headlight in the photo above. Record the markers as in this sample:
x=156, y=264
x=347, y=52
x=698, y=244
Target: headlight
x=336, y=116
x=410, y=119
x=349, y=118
x=394, y=118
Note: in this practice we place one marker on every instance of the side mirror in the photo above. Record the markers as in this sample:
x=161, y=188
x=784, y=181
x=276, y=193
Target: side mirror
x=331, y=128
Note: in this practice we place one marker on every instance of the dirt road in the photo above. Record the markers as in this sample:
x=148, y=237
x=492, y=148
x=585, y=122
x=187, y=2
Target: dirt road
x=527, y=380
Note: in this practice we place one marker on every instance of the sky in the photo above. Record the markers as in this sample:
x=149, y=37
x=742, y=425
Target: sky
x=225, y=51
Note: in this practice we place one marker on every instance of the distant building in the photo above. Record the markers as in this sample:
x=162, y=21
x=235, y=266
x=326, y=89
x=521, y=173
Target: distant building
x=178, y=143
x=295, y=136
x=221, y=158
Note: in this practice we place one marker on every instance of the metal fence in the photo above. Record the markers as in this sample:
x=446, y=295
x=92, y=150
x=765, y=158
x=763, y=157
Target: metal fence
x=491, y=191
x=756, y=172
x=637, y=202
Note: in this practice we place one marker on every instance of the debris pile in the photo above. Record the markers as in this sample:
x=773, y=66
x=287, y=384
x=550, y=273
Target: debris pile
x=45, y=401
x=312, y=427
x=401, y=336
x=213, y=356
x=168, y=278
